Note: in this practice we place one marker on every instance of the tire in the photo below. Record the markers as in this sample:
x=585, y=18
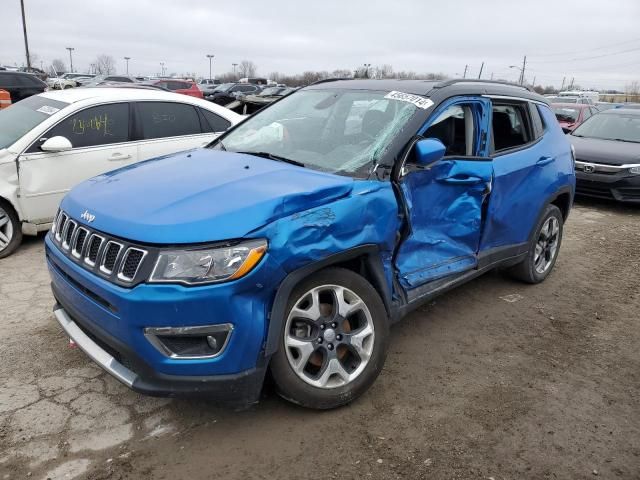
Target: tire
x=10, y=230
x=325, y=359
x=537, y=265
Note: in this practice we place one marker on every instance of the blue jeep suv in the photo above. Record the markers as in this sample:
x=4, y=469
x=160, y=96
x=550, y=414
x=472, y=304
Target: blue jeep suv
x=292, y=242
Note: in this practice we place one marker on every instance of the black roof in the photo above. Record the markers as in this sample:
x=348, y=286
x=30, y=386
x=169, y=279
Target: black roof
x=430, y=88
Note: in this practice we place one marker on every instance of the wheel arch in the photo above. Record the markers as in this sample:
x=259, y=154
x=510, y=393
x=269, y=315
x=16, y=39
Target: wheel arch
x=563, y=199
x=364, y=260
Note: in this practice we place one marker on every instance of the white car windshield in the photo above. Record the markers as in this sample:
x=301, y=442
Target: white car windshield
x=335, y=130
x=20, y=118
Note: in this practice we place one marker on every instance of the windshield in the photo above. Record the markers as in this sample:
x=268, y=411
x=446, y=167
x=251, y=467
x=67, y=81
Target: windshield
x=566, y=99
x=609, y=126
x=270, y=91
x=224, y=87
x=23, y=116
x=337, y=131
x=566, y=114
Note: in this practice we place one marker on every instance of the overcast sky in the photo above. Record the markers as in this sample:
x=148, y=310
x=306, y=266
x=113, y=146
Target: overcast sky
x=559, y=37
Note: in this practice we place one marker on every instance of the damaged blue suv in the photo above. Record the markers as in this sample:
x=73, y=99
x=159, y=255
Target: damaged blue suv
x=291, y=243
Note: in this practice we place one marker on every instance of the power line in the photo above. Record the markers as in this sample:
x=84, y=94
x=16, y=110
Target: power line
x=579, y=52
x=589, y=58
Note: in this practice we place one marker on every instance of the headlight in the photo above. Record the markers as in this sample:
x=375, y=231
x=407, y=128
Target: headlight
x=635, y=170
x=208, y=265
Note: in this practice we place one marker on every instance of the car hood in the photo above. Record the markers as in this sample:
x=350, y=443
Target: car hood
x=200, y=196
x=609, y=152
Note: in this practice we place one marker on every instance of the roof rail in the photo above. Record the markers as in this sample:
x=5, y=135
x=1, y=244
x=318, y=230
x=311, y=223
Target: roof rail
x=332, y=79
x=453, y=81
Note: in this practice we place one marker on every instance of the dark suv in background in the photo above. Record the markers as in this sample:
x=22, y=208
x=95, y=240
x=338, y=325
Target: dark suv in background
x=228, y=92
x=21, y=85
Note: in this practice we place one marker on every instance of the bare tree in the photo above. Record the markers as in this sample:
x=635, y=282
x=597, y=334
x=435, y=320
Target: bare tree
x=632, y=90
x=59, y=66
x=105, y=65
x=385, y=71
x=247, y=69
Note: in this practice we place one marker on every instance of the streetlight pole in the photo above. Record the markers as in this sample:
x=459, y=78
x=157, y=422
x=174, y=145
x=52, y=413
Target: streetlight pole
x=210, y=57
x=162, y=69
x=127, y=60
x=71, y=49
x=234, y=65
x=24, y=31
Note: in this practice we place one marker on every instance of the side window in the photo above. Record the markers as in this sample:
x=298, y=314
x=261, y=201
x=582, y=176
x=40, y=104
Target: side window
x=215, y=122
x=455, y=129
x=247, y=88
x=100, y=125
x=536, y=121
x=167, y=119
x=510, y=126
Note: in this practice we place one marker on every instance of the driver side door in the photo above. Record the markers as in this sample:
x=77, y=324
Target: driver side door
x=445, y=200
x=99, y=136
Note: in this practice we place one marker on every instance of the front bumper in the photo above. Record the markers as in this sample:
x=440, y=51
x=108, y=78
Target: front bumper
x=621, y=186
x=114, y=318
x=238, y=389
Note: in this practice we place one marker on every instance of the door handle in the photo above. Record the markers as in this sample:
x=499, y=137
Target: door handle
x=462, y=180
x=117, y=157
x=545, y=161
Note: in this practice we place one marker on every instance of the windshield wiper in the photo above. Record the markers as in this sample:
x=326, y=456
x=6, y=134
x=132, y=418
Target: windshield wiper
x=277, y=158
x=622, y=140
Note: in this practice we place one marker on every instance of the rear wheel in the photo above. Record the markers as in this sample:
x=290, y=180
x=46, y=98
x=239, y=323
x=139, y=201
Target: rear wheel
x=10, y=230
x=543, y=250
x=334, y=340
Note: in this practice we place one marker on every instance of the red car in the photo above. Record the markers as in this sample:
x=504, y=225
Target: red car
x=186, y=87
x=570, y=115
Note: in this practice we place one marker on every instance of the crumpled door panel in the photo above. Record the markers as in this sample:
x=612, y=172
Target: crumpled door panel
x=445, y=216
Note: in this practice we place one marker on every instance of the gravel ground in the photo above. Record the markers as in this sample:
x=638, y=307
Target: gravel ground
x=493, y=380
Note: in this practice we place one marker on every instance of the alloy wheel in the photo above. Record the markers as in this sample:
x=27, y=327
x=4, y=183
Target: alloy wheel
x=6, y=229
x=547, y=245
x=329, y=336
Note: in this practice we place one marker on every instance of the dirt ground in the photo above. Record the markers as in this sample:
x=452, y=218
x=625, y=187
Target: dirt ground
x=495, y=380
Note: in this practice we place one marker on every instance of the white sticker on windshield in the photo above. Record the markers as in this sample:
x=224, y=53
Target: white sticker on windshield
x=46, y=109
x=417, y=100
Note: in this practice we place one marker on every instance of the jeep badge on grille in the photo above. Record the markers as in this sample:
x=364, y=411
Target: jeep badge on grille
x=88, y=216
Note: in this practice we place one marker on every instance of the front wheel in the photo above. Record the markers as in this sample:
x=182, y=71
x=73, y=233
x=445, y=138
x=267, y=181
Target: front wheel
x=334, y=341
x=10, y=230
x=543, y=249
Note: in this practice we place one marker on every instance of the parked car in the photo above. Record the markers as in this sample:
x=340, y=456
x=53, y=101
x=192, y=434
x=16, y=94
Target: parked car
x=61, y=83
x=297, y=238
x=607, y=150
x=570, y=115
x=228, y=92
x=208, y=81
x=572, y=99
x=106, y=79
x=602, y=106
x=20, y=85
x=249, y=104
x=185, y=87
x=52, y=141
x=34, y=71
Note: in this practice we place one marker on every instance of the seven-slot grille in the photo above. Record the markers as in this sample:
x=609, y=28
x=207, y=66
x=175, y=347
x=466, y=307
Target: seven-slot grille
x=97, y=252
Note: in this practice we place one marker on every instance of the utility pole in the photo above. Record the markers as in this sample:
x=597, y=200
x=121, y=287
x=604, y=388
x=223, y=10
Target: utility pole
x=562, y=87
x=24, y=30
x=534, y=81
x=127, y=60
x=480, y=74
x=71, y=49
x=491, y=75
x=524, y=66
x=210, y=57
x=464, y=75
x=162, y=69
x=234, y=65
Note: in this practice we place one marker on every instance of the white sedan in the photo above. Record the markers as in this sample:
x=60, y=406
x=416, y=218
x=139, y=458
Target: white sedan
x=52, y=141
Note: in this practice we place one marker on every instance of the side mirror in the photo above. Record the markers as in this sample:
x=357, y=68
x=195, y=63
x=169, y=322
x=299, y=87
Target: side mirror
x=56, y=144
x=566, y=130
x=428, y=151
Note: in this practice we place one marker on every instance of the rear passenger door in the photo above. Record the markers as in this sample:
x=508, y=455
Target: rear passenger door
x=524, y=169
x=169, y=127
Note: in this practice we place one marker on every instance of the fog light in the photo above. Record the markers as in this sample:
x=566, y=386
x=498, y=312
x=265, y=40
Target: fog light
x=190, y=342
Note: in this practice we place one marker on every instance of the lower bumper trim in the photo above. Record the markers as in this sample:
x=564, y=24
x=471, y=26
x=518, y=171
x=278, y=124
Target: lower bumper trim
x=93, y=350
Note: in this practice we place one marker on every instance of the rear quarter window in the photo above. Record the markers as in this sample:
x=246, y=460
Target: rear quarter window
x=168, y=119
